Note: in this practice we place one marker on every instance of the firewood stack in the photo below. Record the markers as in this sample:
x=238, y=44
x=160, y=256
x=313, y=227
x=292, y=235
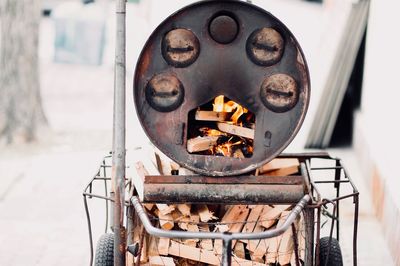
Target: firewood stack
x=221, y=218
x=217, y=218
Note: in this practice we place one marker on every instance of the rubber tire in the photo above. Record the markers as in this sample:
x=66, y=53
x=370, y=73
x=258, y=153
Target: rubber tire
x=335, y=255
x=104, y=255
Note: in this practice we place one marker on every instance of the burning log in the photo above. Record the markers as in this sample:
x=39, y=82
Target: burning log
x=236, y=130
x=201, y=143
x=212, y=116
x=238, y=154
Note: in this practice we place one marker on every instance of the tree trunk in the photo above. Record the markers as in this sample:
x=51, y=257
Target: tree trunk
x=21, y=112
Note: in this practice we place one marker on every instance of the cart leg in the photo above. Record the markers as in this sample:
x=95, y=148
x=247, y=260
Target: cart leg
x=337, y=186
x=309, y=235
x=226, y=252
x=356, y=206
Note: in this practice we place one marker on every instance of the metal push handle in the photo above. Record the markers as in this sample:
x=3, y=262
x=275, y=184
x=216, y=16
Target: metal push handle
x=225, y=237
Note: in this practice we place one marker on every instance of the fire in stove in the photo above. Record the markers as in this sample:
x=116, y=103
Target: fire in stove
x=221, y=127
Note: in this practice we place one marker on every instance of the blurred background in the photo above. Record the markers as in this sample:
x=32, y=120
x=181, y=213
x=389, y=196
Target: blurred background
x=56, y=103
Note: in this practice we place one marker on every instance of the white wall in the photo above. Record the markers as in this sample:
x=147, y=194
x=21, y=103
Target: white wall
x=379, y=120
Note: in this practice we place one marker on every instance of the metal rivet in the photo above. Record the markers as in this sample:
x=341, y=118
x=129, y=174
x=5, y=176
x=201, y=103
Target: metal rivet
x=279, y=93
x=180, y=48
x=223, y=29
x=265, y=47
x=164, y=92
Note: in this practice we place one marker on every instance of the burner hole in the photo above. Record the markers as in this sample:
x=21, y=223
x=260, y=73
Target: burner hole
x=180, y=48
x=223, y=29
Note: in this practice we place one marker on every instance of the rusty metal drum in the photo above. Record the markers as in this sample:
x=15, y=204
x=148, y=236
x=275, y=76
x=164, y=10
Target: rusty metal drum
x=229, y=48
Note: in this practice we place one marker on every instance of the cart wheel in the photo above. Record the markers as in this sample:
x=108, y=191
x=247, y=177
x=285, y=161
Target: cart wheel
x=105, y=251
x=334, y=257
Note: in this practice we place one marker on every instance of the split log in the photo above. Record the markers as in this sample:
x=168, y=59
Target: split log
x=204, y=256
x=257, y=258
x=163, y=246
x=234, y=217
x=161, y=261
x=239, y=250
x=272, y=254
x=144, y=256
x=192, y=227
x=252, y=220
x=301, y=238
x=184, y=223
x=273, y=243
x=138, y=178
x=177, y=215
x=152, y=249
x=253, y=244
x=236, y=130
x=184, y=209
x=187, y=262
x=192, y=253
x=281, y=167
x=201, y=143
x=206, y=244
x=286, y=245
x=165, y=209
x=212, y=116
x=261, y=249
x=130, y=259
x=166, y=221
x=269, y=218
x=205, y=214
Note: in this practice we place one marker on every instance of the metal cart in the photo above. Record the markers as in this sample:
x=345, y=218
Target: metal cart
x=313, y=206
x=127, y=212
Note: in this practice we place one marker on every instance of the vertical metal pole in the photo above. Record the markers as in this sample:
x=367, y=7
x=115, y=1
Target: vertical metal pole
x=226, y=252
x=337, y=186
x=118, y=170
x=309, y=235
x=356, y=202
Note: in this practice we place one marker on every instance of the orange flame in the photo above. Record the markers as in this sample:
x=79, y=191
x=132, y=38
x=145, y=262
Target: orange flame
x=229, y=107
x=212, y=132
x=219, y=104
x=228, y=148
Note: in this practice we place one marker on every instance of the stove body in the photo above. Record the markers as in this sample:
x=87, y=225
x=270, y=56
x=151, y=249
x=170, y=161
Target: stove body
x=228, y=48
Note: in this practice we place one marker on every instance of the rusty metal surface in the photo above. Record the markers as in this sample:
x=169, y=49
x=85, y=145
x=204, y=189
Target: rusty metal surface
x=202, y=48
x=262, y=180
x=229, y=190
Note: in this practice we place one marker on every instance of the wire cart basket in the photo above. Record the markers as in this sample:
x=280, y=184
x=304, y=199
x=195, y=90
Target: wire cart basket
x=315, y=209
